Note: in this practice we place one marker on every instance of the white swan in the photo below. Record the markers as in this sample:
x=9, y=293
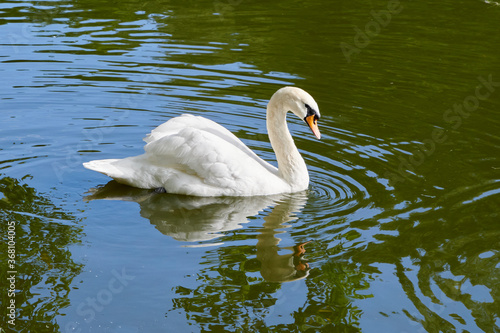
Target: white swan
x=195, y=156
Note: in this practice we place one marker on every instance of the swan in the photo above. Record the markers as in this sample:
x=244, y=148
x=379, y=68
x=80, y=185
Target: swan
x=192, y=155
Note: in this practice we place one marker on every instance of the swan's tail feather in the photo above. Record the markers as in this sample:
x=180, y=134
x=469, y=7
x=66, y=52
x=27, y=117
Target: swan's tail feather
x=105, y=167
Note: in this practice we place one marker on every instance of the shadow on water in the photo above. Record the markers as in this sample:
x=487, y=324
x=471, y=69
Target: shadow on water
x=44, y=269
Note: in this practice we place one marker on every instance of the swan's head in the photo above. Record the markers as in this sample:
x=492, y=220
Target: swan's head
x=302, y=105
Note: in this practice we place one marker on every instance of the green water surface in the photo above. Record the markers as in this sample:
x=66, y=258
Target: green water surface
x=399, y=231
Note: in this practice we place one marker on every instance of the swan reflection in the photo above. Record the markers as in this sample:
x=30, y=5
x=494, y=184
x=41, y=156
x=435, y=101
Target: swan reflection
x=198, y=219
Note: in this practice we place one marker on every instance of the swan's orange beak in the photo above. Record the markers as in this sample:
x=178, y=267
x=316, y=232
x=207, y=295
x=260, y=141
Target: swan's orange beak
x=312, y=121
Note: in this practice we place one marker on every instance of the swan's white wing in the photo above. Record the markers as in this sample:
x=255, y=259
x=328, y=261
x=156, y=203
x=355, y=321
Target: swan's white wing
x=175, y=125
x=208, y=161
x=195, y=156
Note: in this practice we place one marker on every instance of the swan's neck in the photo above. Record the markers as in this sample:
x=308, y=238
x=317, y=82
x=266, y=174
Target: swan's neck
x=291, y=165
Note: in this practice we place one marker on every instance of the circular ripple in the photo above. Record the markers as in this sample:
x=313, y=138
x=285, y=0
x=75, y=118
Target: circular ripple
x=331, y=188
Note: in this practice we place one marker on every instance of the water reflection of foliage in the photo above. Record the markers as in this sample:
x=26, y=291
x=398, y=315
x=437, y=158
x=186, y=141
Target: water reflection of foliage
x=228, y=294
x=330, y=299
x=449, y=253
x=231, y=296
x=452, y=253
x=44, y=265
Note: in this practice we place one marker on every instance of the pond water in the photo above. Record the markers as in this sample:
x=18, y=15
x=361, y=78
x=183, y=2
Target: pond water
x=398, y=232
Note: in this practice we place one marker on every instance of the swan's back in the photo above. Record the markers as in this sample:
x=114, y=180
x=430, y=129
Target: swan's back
x=195, y=156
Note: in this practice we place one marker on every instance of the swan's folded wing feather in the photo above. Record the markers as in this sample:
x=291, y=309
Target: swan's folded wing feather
x=195, y=156
x=213, y=160
x=174, y=125
x=178, y=124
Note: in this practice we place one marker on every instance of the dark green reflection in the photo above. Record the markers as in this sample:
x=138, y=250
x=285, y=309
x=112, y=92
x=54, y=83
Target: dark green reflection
x=45, y=269
x=230, y=297
x=454, y=254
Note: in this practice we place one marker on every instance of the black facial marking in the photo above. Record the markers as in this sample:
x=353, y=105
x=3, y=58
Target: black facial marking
x=311, y=112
